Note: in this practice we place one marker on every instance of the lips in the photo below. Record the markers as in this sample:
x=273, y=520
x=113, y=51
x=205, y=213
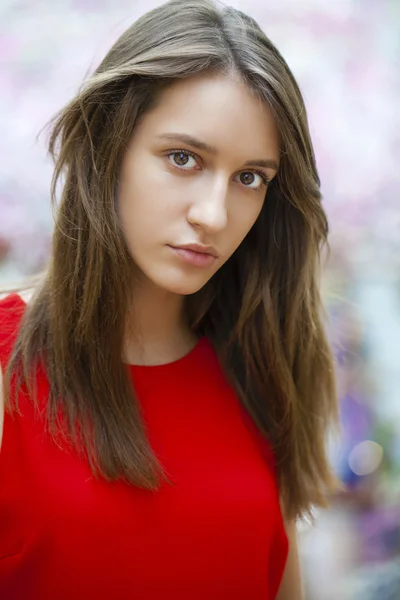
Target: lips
x=199, y=248
x=195, y=255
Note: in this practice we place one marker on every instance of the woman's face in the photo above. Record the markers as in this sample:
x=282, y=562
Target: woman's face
x=195, y=174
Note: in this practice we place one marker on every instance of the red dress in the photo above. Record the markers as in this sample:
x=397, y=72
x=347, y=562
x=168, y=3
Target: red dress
x=216, y=534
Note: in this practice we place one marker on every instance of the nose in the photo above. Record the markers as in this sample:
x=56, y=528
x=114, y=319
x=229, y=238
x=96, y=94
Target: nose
x=209, y=209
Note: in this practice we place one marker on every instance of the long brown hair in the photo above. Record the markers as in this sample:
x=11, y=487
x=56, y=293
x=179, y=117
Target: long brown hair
x=262, y=310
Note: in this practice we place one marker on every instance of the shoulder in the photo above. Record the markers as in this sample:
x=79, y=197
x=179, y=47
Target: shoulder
x=9, y=300
x=1, y=407
x=25, y=294
x=12, y=308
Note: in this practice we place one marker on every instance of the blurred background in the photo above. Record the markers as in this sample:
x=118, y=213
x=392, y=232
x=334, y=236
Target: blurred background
x=346, y=57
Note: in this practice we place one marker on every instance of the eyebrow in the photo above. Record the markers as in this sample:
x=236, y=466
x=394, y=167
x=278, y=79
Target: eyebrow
x=268, y=163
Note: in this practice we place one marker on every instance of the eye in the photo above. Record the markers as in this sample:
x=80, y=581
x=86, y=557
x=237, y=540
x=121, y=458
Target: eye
x=253, y=179
x=182, y=159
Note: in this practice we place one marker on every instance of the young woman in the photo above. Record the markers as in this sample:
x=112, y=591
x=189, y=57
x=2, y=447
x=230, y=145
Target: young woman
x=168, y=386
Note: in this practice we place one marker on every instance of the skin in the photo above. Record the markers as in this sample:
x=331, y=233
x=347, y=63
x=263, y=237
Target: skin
x=171, y=198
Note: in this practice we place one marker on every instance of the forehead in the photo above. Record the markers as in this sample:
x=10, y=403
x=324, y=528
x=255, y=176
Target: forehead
x=219, y=110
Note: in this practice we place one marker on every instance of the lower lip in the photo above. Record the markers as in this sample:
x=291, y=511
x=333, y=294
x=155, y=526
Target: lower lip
x=197, y=259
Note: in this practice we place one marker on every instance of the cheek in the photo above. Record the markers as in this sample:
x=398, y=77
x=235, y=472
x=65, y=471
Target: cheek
x=148, y=191
x=137, y=198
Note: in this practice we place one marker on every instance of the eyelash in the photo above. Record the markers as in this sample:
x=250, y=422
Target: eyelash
x=262, y=174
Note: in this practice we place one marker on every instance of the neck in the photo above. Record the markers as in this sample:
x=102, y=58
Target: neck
x=157, y=331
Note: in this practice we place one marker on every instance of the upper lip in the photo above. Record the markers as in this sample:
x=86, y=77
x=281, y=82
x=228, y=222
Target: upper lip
x=201, y=248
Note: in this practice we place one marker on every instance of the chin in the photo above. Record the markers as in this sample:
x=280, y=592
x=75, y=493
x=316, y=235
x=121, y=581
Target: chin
x=184, y=289
x=182, y=286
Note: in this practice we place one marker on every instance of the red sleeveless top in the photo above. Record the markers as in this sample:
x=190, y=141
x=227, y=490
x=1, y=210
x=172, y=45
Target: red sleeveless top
x=217, y=533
